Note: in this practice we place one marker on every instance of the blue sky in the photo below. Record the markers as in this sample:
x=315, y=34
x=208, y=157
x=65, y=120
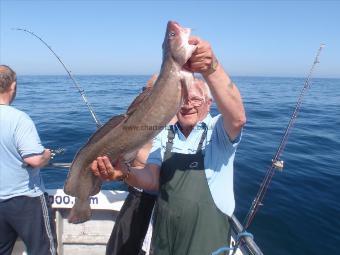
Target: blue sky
x=262, y=38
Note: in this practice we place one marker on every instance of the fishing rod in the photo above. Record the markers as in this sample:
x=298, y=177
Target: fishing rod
x=276, y=162
x=243, y=235
x=77, y=86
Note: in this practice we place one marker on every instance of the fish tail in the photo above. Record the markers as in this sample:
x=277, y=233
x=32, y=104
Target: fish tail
x=80, y=212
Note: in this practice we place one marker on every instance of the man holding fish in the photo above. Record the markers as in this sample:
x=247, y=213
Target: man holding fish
x=191, y=163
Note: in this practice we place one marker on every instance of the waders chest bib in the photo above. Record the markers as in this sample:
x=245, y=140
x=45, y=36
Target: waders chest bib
x=187, y=220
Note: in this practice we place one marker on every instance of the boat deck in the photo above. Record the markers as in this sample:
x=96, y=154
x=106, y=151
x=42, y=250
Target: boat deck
x=90, y=237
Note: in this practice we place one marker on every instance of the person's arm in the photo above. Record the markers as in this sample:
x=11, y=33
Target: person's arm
x=28, y=143
x=142, y=156
x=38, y=161
x=224, y=91
x=146, y=178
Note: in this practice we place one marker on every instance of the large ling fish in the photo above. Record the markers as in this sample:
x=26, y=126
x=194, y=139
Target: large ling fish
x=123, y=135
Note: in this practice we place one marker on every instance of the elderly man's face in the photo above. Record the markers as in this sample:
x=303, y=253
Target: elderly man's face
x=195, y=106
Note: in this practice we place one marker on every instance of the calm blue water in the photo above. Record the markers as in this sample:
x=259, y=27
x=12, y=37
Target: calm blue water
x=301, y=212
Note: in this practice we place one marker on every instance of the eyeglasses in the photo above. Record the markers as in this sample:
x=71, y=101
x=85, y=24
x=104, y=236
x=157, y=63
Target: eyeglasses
x=194, y=101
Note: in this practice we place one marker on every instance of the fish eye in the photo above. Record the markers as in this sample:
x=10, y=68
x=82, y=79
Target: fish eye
x=172, y=33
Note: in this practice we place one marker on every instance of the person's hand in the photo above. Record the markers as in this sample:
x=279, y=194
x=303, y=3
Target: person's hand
x=103, y=168
x=203, y=59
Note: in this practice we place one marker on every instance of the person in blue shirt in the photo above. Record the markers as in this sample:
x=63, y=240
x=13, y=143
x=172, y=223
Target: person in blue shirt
x=191, y=163
x=24, y=207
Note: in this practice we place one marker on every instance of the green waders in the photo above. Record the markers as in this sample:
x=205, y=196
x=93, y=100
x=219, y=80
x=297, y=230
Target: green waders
x=187, y=220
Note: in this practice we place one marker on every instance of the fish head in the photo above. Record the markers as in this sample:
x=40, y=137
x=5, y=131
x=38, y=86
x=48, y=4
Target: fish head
x=176, y=43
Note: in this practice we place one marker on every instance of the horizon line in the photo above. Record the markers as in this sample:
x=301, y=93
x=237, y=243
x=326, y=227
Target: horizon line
x=245, y=75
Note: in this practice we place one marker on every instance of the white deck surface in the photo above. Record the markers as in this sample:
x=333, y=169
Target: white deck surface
x=89, y=237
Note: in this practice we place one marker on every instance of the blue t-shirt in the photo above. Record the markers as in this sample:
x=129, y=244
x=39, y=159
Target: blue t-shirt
x=18, y=139
x=219, y=154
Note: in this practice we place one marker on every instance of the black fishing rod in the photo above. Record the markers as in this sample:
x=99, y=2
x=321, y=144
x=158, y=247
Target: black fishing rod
x=276, y=162
x=80, y=90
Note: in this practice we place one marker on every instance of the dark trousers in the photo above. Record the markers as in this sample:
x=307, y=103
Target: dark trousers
x=30, y=219
x=131, y=224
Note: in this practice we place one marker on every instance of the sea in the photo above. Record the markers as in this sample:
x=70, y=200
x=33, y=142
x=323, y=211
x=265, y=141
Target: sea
x=300, y=213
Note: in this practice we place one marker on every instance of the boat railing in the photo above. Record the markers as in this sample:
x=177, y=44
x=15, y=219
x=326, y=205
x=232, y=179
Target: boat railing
x=247, y=244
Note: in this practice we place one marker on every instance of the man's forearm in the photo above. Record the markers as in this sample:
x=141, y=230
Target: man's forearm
x=146, y=178
x=39, y=161
x=45, y=158
x=228, y=100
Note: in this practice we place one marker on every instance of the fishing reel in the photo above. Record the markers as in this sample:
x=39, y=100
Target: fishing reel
x=58, y=151
x=278, y=164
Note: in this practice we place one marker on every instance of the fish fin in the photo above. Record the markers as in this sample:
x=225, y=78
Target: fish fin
x=129, y=157
x=187, y=79
x=138, y=100
x=101, y=132
x=97, y=183
x=80, y=212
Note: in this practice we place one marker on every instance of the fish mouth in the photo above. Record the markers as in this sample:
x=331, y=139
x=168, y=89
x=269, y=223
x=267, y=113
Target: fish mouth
x=176, y=27
x=179, y=36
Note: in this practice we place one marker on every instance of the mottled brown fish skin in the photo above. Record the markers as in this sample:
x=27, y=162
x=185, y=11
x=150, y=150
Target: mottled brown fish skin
x=125, y=134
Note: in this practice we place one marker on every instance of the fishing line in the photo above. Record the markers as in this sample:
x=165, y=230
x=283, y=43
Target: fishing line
x=77, y=86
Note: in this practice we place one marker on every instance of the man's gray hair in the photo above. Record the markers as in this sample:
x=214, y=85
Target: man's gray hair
x=7, y=77
x=206, y=89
